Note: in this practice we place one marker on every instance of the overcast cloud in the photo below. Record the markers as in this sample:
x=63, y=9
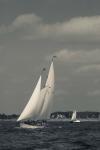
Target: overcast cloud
x=31, y=32
x=30, y=27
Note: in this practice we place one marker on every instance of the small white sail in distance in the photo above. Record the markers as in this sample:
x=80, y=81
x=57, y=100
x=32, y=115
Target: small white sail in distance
x=74, y=119
x=31, y=108
x=46, y=110
x=73, y=116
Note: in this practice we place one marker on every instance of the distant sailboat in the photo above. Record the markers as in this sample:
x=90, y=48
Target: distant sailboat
x=74, y=119
x=38, y=106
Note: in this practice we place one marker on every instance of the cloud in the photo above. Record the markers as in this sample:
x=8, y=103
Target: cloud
x=94, y=93
x=67, y=55
x=79, y=56
x=92, y=67
x=77, y=29
x=22, y=23
x=28, y=19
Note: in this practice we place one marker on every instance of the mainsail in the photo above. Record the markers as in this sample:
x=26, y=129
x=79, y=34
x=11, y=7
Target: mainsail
x=46, y=110
x=31, y=108
x=41, y=101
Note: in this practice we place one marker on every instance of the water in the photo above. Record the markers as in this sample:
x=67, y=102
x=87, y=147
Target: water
x=58, y=136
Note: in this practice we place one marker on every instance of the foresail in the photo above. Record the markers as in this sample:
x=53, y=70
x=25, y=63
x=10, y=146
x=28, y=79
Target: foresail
x=46, y=110
x=31, y=108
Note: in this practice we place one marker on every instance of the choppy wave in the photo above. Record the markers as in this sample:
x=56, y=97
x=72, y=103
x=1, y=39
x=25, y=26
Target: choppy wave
x=57, y=136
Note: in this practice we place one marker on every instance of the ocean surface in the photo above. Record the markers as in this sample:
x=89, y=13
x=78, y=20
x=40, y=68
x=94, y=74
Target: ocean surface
x=57, y=136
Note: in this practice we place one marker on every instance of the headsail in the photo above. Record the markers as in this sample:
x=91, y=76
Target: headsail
x=31, y=108
x=46, y=110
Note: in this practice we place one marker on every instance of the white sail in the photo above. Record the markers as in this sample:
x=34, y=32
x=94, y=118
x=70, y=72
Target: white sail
x=39, y=105
x=41, y=101
x=46, y=110
x=31, y=109
x=73, y=116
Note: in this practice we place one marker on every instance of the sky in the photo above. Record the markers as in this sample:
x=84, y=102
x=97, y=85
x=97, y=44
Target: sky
x=31, y=32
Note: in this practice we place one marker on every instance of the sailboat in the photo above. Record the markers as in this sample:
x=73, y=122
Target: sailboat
x=39, y=104
x=74, y=119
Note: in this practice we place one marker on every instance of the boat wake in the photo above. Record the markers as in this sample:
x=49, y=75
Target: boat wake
x=26, y=126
